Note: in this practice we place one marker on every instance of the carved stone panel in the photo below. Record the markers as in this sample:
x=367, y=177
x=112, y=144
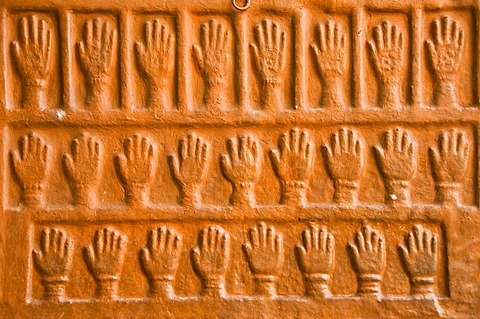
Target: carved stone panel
x=230, y=159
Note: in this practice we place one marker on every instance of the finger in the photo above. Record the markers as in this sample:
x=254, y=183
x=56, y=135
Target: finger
x=243, y=148
x=283, y=143
x=156, y=33
x=213, y=33
x=360, y=241
x=148, y=34
x=307, y=239
x=322, y=37
x=34, y=29
x=24, y=36
x=254, y=236
x=232, y=147
x=267, y=30
x=295, y=140
x=446, y=29
x=304, y=139
x=275, y=159
x=437, y=32
x=378, y=38
x=271, y=238
x=262, y=232
x=260, y=38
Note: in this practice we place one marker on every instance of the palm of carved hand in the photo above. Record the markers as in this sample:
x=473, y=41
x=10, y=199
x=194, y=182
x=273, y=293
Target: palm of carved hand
x=83, y=165
x=398, y=165
x=30, y=166
x=159, y=262
x=331, y=63
x=346, y=166
x=155, y=61
x=294, y=167
x=32, y=61
x=105, y=263
x=388, y=62
x=215, y=63
x=446, y=58
x=451, y=167
x=316, y=261
x=56, y=259
x=421, y=263
x=264, y=260
x=243, y=172
x=371, y=261
x=192, y=170
x=211, y=263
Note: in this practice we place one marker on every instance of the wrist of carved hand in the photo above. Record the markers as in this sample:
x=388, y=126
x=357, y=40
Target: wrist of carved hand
x=422, y=286
x=264, y=285
x=369, y=284
x=136, y=193
x=346, y=191
x=54, y=287
x=32, y=193
x=448, y=192
x=35, y=84
x=107, y=286
x=316, y=284
x=293, y=192
x=161, y=286
x=213, y=285
x=242, y=193
x=189, y=194
x=397, y=192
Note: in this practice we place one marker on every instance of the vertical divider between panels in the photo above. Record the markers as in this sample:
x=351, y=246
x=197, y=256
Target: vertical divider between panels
x=300, y=59
x=241, y=72
x=3, y=64
x=416, y=52
x=183, y=63
x=126, y=89
x=358, y=35
x=66, y=47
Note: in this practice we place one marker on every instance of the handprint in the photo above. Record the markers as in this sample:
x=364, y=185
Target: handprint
x=368, y=257
x=241, y=167
x=264, y=251
x=445, y=51
x=31, y=166
x=398, y=164
x=316, y=258
x=386, y=53
x=32, y=55
x=96, y=53
x=420, y=260
x=83, y=168
x=155, y=58
x=136, y=168
x=53, y=261
x=269, y=60
x=104, y=258
x=210, y=260
x=329, y=54
x=345, y=160
x=159, y=260
x=190, y=167
x=449, y=165
x=293, y=163
x=212, y=58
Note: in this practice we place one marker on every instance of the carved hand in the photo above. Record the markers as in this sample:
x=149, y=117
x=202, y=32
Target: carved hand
x=189, y=169
x=210, y=260
x=264, y=252
x=83, y=168
x=104, y=258
x=368, y=257
x=316, y=258
x=159, y=260
x=155, y=58
x=420, y=259
x=345, y=160
x=31, y=166
x=212, y=58
x=32, y=55
x=269, y=60
x=136, y=168
x=386, y=51
x=241, y=168
x=96, y=53
x=329, y=54
x=398, y=164
x=445, y=51
x=449, y=165
x=53, y=261
x=293, y=163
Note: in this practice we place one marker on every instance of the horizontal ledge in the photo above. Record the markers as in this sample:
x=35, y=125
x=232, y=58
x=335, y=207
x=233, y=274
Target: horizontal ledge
x=234, y=118
x=228, y=214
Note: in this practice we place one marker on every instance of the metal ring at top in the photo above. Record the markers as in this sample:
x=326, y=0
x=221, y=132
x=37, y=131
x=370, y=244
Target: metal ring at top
x=242, y=8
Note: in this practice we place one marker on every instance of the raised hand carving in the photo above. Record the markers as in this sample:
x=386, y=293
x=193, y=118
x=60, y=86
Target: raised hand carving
x=159, y=260
x=31, y=166
x=449, y=165
x=316, y=258
x=368, y=256
x=345, y=160
x=241, y=167
x=96, y=54
x=329, y=55
x=445, y=51
x=210, y=260
x=419, y=255
x=269, y=59
x=264, y=251
x=386, y=52
x=212, y=60
x=136, y=168
x=397, y=158
x=83, y=168
x=104, y=258
x=53, y=261
x=32, y=55
x=293, y=163
x=189, y=169
x=155, y=58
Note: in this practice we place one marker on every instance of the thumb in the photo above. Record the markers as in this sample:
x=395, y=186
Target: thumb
x=174, y=166
x=69, y=165
x=122, y=168
x=198, y=56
